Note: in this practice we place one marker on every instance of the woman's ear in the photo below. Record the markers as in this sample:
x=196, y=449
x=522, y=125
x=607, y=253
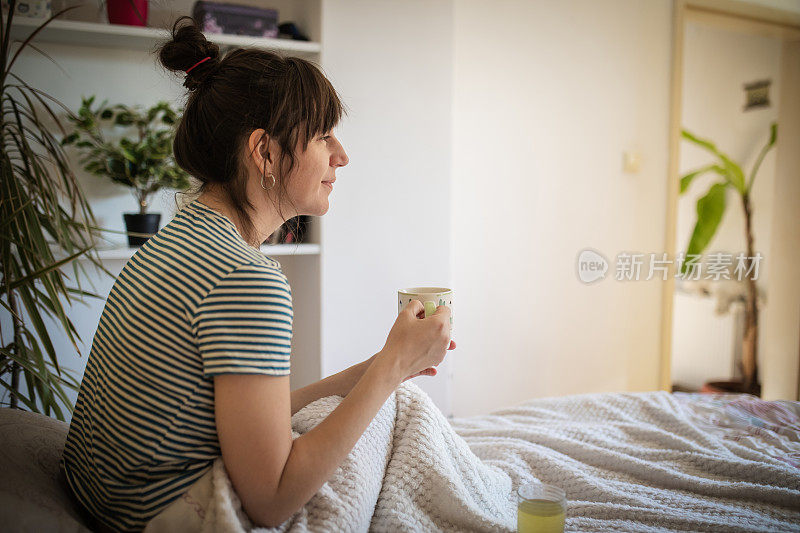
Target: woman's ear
x=258, y=148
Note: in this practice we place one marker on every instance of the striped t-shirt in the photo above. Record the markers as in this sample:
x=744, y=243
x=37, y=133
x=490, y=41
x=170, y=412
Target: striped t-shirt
x=193, y=302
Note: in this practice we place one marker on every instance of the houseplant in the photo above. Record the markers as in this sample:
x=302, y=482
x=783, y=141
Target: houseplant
x=144, y=162
x=710, y=209
x=40, y=201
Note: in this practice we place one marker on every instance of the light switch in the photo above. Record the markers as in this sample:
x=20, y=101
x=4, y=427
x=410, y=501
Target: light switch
x=630, y=161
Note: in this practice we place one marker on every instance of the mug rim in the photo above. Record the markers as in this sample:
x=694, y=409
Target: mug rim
x=411, y=291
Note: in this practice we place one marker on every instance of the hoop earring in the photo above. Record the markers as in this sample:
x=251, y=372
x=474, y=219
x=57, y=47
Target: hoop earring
x=271, y=175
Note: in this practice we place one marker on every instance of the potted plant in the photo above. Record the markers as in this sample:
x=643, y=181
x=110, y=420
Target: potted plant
x=40, y=202
x=710, y=209
x=144, y=162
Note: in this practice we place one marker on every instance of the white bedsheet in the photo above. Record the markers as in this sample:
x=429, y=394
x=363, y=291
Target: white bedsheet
x=628, y=462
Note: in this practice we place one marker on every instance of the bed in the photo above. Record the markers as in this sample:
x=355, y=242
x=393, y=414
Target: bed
x=655, y=461
x=628, y=462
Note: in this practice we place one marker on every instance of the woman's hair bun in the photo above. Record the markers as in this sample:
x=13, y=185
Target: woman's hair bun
x=187, y=47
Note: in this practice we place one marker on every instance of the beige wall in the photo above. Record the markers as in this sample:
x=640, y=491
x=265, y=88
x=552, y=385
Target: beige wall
x=548, y=95
x=785, y=5
x=389, y=222
x=780, y=323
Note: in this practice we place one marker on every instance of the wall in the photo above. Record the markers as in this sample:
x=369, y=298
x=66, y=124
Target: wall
x=792, y=6
x=780, y=369
x=548, y=96
x=389, y=223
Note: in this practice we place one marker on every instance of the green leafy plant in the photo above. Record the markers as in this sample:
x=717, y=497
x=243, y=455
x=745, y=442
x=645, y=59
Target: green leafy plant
x=710, y=210
x=143, y=162
x=39, y=200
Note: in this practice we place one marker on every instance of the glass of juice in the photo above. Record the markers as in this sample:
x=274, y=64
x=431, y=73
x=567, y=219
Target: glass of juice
x=541, y=508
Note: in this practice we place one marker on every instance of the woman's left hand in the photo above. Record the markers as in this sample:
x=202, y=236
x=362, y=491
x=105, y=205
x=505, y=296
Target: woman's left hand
x=343, y=382
x=359, y=369
x=430, y=371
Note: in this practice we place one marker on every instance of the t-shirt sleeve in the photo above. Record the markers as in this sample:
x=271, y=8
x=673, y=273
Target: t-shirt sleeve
x=244, y=324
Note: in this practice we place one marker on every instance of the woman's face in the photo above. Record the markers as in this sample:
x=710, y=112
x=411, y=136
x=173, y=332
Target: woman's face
x=311, y=180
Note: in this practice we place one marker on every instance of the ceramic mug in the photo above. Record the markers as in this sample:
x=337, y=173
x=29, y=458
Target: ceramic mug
x=431, y=298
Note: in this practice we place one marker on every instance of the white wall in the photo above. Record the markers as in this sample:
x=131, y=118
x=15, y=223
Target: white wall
x=717, y=64
x=388, y=226
x=548, y=96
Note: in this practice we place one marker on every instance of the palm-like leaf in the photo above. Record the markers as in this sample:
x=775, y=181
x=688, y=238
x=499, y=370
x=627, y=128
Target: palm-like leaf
x=37, y=182
x=711, y=207
x=730, y=170
x=773, y=137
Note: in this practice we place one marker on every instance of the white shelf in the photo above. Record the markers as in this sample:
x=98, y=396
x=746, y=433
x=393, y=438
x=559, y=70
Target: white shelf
x=138, y=37
x=126, y=252
x=101, y=44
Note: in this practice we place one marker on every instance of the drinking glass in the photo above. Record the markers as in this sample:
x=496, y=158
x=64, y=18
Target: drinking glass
x=541, y=508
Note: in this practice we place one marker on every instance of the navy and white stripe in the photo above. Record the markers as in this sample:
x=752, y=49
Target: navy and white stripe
x=193, y=302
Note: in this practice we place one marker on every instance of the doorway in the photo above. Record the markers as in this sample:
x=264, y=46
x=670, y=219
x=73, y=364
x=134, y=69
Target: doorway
x=736, y=71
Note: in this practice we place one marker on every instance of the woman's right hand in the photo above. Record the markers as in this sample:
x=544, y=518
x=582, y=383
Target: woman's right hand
x=419, y=344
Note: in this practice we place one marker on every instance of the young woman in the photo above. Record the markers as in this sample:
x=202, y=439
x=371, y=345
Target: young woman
x=190, y=360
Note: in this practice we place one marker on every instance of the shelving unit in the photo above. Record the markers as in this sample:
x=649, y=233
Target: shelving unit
x=117, y=253
x=141, y=38
x=87, y=39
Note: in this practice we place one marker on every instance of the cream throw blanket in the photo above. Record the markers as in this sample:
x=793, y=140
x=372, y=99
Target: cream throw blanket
x=628, y=462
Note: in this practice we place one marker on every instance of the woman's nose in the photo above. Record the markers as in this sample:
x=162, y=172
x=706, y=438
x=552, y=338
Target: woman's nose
x=339, y=158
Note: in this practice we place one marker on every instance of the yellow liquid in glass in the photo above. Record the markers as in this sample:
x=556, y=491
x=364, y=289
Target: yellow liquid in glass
x=540, y=516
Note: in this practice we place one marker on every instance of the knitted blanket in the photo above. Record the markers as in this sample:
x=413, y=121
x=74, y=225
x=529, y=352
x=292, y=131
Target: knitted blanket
x=628, y=462
x=653, y=461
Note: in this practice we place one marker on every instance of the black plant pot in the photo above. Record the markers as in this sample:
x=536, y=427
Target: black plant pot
x=138, y=223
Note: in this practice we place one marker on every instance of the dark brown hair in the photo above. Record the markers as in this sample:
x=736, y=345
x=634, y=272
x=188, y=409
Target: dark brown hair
x=229, y=97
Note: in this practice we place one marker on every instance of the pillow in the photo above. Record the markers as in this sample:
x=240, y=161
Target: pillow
x=33, y=492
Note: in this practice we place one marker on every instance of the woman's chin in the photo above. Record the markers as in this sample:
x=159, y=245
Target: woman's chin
x=318, y=210
x=323, y=208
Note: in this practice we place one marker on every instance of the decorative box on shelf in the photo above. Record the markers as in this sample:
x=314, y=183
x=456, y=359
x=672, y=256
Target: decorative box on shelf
x=233, y=19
